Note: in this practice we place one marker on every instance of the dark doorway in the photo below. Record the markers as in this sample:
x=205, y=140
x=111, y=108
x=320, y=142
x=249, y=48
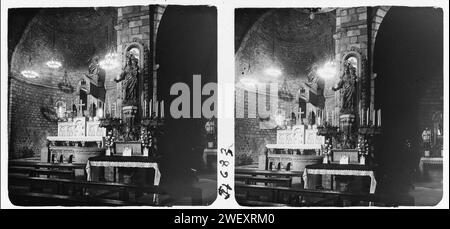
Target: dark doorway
x=186, y=44
x=408, y=60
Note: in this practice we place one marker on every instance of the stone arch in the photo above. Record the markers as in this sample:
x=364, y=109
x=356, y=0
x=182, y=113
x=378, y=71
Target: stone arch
x=377, y=19
x=363, y=92
x=136, y=43
x=253, y=28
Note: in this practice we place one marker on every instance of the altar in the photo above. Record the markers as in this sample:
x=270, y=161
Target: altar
x=78, y=139
x=340, y=170
x=123, y=162
x=295, y=148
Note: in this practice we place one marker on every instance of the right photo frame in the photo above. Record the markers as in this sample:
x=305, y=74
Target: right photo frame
x=339, y=107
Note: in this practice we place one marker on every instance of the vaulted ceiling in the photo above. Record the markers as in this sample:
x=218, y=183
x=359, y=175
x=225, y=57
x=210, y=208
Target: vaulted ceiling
x=71, y=35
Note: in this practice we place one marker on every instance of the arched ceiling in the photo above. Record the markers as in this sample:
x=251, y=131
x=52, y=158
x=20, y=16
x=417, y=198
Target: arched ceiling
x=287, y=39
x=72, y=35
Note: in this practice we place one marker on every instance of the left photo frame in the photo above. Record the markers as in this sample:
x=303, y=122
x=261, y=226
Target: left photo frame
x=112, y=106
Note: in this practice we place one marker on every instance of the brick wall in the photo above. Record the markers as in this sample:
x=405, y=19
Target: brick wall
x=79, y=35
x=139, y=24
x=29, y=128
x=351, y=36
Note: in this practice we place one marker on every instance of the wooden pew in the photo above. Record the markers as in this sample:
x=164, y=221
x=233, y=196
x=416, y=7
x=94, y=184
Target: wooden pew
x=255, y=172
x=60, y=170
x=306, y=197
x=79, y=188
x=39, y=164
x=247, y=179
x=276, y=177
x=32, y=172
x=45, y=199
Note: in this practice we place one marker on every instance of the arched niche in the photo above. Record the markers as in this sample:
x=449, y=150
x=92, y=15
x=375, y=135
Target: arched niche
x=137, y=48
x=358, y=61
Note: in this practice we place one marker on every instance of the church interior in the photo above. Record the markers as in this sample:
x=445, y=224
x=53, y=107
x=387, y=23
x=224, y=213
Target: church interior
x=339, y=106
x=89, y=99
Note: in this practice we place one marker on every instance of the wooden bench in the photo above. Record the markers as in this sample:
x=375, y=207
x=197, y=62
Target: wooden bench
x=45, y=199
x=38, y=164
x=31, y=168
x=276, y=177
x=287, y=182
x=32, y=172
x=269, y=173
x=253, y=203
x=306, y=197
x=80, y=188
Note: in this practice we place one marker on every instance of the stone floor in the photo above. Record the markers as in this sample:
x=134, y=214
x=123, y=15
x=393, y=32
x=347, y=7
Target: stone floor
x=428, y=191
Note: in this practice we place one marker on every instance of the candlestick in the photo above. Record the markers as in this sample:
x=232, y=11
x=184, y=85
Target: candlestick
x=367, y=117
x=115, y=110
x=151, y=107
x=156, y=108
x=379, y=117
x=162, y=109
x=361, y=117
x=373, y=117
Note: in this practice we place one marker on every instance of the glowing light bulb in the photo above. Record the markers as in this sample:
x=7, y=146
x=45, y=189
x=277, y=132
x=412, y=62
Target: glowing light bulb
x=249, y=81
x=272, y=71
x=110, y=61
x=54, y=64
x=327, y=71
x=29, y=74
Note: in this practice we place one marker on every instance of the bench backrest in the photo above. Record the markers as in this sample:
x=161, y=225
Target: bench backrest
x=276, y=192
x=46, y=165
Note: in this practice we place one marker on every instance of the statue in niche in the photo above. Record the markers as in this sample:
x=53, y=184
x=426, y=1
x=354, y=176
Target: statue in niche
x=347, y=87
x=130, y=75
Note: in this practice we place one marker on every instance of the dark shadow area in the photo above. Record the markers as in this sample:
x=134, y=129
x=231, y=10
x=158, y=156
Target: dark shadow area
x=186, y=45
x=408, y=60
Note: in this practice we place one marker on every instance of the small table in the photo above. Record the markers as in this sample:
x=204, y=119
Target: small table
x=341, y=170
x=429, y=161
x=207, y=153
x=123, y=161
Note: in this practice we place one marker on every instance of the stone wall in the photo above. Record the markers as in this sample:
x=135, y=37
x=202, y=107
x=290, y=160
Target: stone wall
x=29, y=128
x=351, y=36
x=140, y=24
x=291, y=41
x=73, y=36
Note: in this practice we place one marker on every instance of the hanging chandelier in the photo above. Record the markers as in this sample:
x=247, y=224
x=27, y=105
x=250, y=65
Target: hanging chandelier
x=29, y=74
x=110, y=61
x=54, y=63
x=273, y=70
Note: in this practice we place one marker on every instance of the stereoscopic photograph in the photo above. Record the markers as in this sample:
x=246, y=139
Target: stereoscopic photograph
x=103, y=106
x=339, y=107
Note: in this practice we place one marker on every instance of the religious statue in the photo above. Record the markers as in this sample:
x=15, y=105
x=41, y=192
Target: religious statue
x=347, y=85
x=130, y=75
